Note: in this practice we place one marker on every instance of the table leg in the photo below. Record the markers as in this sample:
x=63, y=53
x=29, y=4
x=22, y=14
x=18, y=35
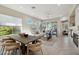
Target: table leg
x=27, y=49
x=23, y=49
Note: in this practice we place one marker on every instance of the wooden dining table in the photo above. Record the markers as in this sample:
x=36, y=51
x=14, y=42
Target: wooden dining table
x=24, y=41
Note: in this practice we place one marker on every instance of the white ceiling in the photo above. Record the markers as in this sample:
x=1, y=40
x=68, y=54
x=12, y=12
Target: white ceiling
x=43, y=11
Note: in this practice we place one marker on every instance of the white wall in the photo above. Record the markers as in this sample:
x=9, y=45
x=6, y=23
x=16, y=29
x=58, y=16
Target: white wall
x=75, y=28
x=59, y=28
x=77, y=17
x=27, y=28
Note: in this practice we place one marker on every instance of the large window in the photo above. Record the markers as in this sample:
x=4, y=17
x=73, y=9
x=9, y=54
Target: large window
x=9, y=25
x=6, y=30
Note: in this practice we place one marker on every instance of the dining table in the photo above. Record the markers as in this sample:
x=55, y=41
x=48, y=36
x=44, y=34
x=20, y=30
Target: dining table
x=24, y=41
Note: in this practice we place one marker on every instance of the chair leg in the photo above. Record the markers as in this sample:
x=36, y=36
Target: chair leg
x=27, y=50
x=20, y=51
x=10, y=52
x=14, y=52
x=7, y=52
x=41, y=51
x=4, y=52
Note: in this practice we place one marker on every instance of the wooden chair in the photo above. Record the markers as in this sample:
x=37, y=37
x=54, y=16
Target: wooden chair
x=5, y=40
x=9, y=40
x=35, y=47
x=1, y=47
x=10, y=47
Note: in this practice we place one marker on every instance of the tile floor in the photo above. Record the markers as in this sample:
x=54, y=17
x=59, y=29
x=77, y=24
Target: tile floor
x=62, y=46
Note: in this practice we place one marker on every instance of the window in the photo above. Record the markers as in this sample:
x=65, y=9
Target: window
x=9, y=25
x=6, y=30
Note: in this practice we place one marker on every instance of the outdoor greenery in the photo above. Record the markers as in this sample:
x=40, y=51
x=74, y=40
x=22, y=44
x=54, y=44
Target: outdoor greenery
x=5, y=30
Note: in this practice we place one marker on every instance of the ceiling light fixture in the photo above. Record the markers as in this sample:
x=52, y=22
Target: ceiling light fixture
x=33, y=7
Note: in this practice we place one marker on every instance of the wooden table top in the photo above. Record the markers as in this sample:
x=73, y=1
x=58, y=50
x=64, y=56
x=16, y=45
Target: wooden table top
x=23, y=39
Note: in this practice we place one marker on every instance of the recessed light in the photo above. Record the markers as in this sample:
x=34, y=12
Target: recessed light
x=33, y=7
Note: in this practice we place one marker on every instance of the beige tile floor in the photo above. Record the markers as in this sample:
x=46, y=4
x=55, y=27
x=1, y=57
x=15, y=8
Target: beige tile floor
x=60, y=46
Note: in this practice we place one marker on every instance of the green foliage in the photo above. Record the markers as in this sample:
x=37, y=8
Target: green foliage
x=5, y=30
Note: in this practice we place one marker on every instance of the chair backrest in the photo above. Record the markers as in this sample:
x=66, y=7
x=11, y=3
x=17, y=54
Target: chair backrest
x=9, y=44
x=34, y=47
x=12, y=46
x=9, y=41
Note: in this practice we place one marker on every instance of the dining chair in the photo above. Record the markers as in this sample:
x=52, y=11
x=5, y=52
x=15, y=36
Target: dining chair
x=35, y=47
x=9, y=46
